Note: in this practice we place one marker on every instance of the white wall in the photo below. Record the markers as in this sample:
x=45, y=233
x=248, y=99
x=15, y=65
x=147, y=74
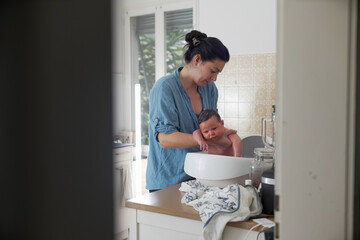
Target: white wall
x=247, y=84
x=244, y=26
x=315, y=115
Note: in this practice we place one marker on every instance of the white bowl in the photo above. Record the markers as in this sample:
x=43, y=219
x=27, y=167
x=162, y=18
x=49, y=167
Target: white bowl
x=217, y=170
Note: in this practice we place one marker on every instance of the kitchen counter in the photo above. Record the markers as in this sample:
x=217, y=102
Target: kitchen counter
x=167, y=203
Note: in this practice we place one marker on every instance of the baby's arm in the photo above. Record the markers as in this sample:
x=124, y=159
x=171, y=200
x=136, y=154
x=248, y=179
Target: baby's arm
x=236, y=144
x=197, y=135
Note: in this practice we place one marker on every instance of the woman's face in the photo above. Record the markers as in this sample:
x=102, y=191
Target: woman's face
x=207, y=71
x=212, y=129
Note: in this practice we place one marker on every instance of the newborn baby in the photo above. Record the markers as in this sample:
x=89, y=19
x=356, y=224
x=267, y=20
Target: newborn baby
x=214, y=138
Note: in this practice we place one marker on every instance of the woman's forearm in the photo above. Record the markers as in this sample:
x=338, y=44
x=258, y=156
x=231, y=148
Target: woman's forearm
x=177, y=140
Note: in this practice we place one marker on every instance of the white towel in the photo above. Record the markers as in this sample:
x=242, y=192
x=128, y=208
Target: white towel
x=218, y=206
x=123, y=182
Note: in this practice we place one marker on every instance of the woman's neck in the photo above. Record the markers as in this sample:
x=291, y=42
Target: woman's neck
x=186, y=80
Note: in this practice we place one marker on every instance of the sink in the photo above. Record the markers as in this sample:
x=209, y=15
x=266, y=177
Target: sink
x=217, y=170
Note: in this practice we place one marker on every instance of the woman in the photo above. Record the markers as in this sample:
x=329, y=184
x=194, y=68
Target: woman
x=175, y=102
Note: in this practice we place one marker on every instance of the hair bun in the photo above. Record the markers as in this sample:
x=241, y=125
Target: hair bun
x=194, y=37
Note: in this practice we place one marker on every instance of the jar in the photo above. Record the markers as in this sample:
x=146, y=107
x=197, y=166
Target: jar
x=263, y=160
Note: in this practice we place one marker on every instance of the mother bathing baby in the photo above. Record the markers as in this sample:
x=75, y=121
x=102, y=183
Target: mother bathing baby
x=176, y=100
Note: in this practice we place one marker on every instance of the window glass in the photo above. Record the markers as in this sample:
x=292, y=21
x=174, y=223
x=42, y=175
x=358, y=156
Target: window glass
x=177, y=24
x=144, y=69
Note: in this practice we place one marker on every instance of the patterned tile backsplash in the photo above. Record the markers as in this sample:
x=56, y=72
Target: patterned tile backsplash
x=247, y=92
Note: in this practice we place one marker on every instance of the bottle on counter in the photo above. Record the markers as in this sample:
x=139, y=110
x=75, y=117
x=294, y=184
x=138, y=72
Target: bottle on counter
x=263, y=160
x=248, y=182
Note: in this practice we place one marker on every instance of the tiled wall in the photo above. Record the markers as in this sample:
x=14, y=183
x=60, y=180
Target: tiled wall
x=247, y=92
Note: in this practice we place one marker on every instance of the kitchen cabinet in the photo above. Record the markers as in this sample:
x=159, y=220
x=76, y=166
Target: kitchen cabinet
x=161, y=215
x=123, y=158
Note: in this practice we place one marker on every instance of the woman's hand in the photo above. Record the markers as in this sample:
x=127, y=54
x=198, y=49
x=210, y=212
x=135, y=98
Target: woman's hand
x=228, y=132
x=203, y=146
x=200, y=140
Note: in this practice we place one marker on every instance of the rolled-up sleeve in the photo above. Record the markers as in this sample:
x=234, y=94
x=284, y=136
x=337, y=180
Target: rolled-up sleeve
x=165, y=116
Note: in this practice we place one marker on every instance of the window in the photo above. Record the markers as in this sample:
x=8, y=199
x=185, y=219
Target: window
x=144, y=43
x=176, y=24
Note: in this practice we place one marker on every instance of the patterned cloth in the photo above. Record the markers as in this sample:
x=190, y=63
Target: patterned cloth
x=218, y=206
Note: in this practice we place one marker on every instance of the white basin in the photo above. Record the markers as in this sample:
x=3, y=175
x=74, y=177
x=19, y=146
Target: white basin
x=217, y=170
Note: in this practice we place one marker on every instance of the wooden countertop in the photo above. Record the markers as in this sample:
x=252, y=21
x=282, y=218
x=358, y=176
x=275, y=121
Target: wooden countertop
x=168, y=201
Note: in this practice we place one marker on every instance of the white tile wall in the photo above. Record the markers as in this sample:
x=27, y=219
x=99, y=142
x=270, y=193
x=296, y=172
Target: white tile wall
x=247, y=92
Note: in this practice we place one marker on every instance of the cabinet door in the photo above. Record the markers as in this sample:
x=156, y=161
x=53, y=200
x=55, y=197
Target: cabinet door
x=123, y=158
x=123, y=154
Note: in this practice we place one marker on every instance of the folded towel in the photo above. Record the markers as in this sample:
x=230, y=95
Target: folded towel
x=218, y=206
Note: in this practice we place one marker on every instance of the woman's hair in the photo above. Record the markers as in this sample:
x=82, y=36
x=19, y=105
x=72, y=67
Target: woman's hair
x=209, y=48
x=207, y=114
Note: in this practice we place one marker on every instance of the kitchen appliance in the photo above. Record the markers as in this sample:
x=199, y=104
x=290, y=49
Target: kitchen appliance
x=267, y=179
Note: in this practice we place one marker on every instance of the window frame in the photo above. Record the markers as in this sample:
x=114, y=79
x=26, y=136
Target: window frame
x=130, y=71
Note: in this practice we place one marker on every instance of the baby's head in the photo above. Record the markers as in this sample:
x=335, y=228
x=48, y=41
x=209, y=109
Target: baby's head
x=211, y=125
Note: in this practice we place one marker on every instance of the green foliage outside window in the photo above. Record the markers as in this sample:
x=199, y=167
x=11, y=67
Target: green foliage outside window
x=174, y=58
x=175, y=42
x=146, y=80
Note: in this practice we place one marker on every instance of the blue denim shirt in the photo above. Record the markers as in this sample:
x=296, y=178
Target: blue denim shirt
x=171, y=111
